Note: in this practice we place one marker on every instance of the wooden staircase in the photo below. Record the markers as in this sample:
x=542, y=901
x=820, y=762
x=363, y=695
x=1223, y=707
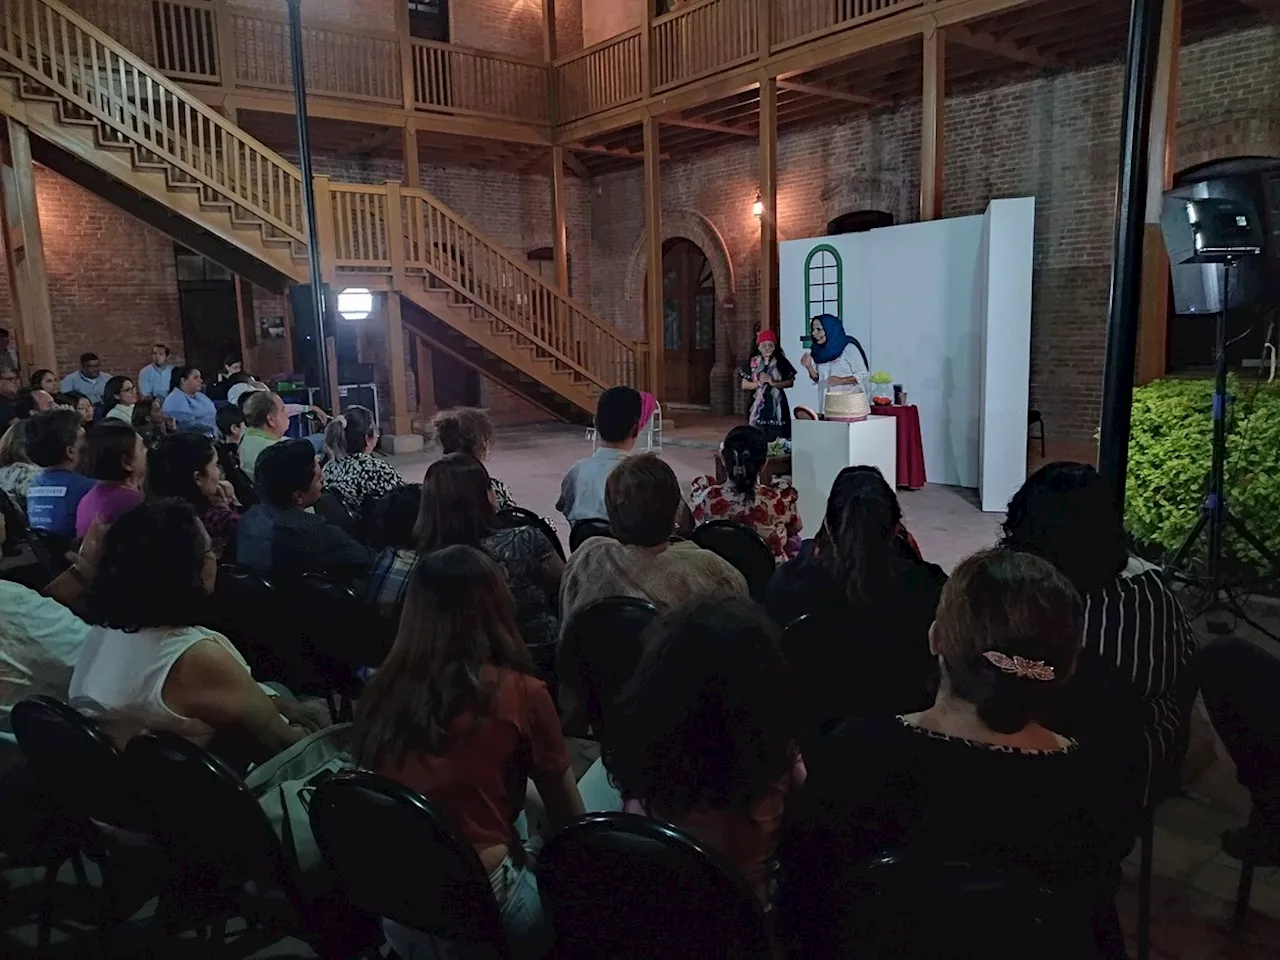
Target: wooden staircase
x=102, y=117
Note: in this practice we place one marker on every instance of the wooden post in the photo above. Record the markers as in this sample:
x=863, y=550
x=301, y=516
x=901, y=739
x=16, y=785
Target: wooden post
x=653, y=249
x=646, y=53
x=764, y=27
x=226, y=33
x=331, y=352
x=24, y=249
x=412, y=168
x=1153, y=316
x=769, y=199
x=426, y=381
x=408, y=88
x=550, y=48
x=933, y=114
x=401, y=423
x=324, y=230
x=395, y=234
x=560, y=239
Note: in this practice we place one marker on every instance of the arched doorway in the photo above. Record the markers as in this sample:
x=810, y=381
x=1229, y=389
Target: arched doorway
x=688, y=322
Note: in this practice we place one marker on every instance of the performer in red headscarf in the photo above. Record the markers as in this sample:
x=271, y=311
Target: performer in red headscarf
x=766, y=374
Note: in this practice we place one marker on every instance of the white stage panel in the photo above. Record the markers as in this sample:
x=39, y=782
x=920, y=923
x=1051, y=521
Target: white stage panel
x=820, y=449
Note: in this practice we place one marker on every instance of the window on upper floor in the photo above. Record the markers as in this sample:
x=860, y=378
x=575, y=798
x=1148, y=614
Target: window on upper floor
x=429, y=19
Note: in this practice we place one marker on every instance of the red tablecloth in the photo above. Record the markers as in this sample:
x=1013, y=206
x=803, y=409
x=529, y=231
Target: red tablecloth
x=910, y=446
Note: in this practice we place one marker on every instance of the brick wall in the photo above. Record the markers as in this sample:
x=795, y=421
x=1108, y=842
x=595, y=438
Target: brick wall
x=505, y=26
x=602, y=19
x=359, y=14
x=569, y=27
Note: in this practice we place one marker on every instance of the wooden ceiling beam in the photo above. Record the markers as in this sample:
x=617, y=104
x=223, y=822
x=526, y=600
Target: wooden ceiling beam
x=607, y=152
x=977, y=40
x=707, y=127
x=819, y=91
x=576, y=166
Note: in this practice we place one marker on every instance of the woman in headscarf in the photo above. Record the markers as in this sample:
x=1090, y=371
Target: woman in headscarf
x=768, y=373
x=835, y=361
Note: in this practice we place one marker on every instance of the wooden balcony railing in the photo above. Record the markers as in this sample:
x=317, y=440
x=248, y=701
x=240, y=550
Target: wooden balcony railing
x=702, y=39
x=457, y=80
x=601, y=77
x=795, y=21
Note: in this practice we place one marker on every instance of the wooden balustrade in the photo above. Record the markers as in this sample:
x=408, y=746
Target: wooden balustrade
x=458, y=80
x=704, y=38
x=798, y=20
x=134, y=104
x=600, y=77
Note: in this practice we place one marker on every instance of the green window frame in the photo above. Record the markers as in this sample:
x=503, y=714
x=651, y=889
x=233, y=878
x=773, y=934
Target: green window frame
x=823, y=282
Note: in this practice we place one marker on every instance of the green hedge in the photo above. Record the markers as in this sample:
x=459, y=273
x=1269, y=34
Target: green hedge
x=1169, y=461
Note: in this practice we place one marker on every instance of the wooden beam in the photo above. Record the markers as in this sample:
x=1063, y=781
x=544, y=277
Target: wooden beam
x=560, y=240
x=607, y=152
x=24, y=248
x=769, y=197
x=577, y=166
x=401, y=422
x=818, y=91
x=653, y=249
x=708, y=127
x=933, y=113
x=549, y=44
x=977, y=40
x=411, y=166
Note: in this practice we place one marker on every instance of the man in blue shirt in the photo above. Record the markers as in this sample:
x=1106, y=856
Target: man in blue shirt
x=53, y=442
x=153, y=379
x=89, y=379
x=617, y=427
x=191, y=409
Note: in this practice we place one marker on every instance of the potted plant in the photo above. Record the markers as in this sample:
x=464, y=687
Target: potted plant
x=881, y=389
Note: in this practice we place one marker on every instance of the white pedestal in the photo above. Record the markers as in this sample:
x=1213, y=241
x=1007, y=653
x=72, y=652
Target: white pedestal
x=820, y=449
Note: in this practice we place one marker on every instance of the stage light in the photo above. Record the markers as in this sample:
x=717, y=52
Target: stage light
x=757, y=208
x=355, y=303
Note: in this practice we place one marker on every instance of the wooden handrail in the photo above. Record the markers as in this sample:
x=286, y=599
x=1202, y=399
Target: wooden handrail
x=475, y=52
x=603, y=76
x=599, y=45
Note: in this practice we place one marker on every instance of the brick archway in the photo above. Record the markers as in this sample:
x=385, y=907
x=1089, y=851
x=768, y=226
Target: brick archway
x=1237, y=134
x=867, y=193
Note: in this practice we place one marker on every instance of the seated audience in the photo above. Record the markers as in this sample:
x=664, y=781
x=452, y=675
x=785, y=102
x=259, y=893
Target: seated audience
x=877, y=599
x=118, y=399
x=468, y=430
x=266, y=423
x=154, y=379
x=394, y=517
x=642, y=497
x=187, y=403
x=115, y=456
x=768, y=510
x=31, y=400
x=279, y=539
x=44, y=379
x=16, y=469
x=456, y=713
x=184, y=465
x=78, y=402
x=704, y=734
x=89, y=380
x=232, y=372
x=230, y=432
x=977, y=776
x=9, y=386
x=147, y=664
x=459, y=507
x=1135, y=667
x=354, y=474
x=54, y=440
x=230, y=422
x=617, y=427
x=150, y=420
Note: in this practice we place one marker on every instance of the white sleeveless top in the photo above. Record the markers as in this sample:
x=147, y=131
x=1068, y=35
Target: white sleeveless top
x=119, y=679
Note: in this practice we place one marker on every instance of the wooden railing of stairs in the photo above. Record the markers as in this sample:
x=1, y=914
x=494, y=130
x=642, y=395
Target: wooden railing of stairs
x=98, y=107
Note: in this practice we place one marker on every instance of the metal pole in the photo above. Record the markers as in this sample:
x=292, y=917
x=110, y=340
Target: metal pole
x=1126, y=265
x=318, y=299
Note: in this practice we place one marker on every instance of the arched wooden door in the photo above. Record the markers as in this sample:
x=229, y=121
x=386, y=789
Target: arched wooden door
x=688, y=323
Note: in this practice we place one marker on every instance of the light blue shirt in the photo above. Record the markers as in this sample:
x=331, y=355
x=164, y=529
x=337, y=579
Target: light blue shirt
x=81, y=384
x=192, y=412
x=582, y=490
x=154, y=381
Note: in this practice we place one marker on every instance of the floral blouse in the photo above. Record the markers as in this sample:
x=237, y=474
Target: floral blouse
x=772, y=514
x=360, y=478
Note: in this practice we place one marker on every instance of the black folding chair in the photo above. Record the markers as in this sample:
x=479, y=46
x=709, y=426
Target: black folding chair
x=743, y=548
x=50, y=551
x=342, y=636
x=395, y=857
x=520, y=517
x=622, y=887
x=15, y=525
x=247, y=609
x=599, y=653
x=584, y=530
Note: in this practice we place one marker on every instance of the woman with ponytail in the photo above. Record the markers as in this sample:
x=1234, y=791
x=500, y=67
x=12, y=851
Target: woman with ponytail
x=354, y=474
x=875, y=596
x=768, y=510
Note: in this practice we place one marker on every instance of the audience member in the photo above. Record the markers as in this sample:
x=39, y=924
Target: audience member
x=470, y=431
x=394, y=517
x=187, y=404
x=119, y=398
x=456, y=713
x=115, y=456
x=617, y=427
x=88, y=380
x=1134, y=672
x=230, y=421
x=16, y=469
x=354, y=474
x=768, y=510
x=874, y=597
x=147, y=663
x=232, y=372
x=150, y=421
x=278, y=538
x=703, y=736
x=155, y=378
x=44, y=379
x=460, y=507
x=78, y=402
x=266, y=423
x=30, y=400
x=53, y=443
x=184, y=465
x=978, y=775
x=10, y=383
x=8, y=353
x=642, y=497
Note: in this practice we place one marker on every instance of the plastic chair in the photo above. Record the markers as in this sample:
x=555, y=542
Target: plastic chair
x=584, y=530
x=520, y=517
x=599, y=652
x=397, y=858
x=622, y=887
x=743, y=548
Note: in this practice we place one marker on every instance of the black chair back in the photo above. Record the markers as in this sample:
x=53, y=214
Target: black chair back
x=1240, y=683
x=246, y=608
x=397, y=858
x=15, y=525
x=50, y=550
x=743, y=548
x=584, y=530
x=342, y=636
x=601, y=649
x=618, y=886
x=520, y=517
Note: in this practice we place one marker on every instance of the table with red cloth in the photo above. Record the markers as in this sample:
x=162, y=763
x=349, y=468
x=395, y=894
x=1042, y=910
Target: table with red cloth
x=910, y=445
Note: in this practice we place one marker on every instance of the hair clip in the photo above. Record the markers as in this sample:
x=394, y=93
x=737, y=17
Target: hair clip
x=1026, y=669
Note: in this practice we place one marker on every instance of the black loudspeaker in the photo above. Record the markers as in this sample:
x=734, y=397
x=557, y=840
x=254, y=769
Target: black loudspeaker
x=307, y=342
